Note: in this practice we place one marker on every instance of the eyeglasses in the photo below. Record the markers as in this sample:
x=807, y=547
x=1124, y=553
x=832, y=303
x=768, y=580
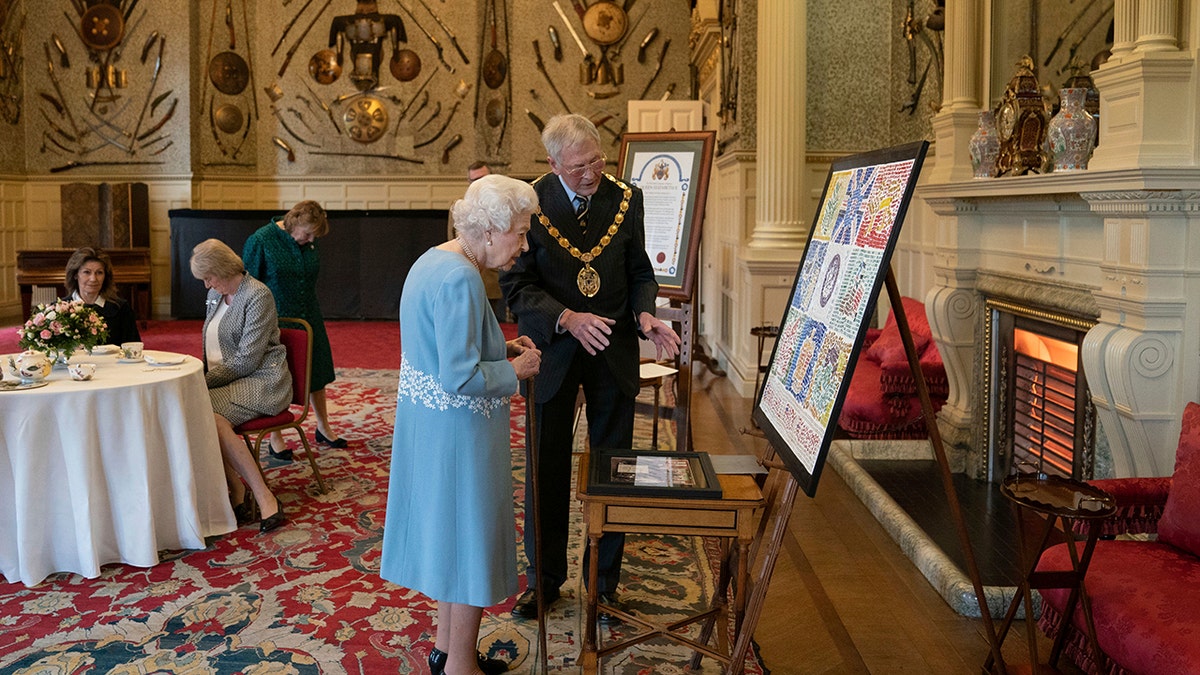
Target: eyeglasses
x=595, y=166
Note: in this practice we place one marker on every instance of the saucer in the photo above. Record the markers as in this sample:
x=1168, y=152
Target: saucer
x=125, y=360
x=12, y=385
x=173, y=360
x=101, y=350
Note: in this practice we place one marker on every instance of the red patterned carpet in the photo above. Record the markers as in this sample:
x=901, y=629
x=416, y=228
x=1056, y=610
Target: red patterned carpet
x=307, y=598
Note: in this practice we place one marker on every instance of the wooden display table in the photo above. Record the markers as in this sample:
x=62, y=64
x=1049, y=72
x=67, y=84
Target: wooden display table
x=734, y=517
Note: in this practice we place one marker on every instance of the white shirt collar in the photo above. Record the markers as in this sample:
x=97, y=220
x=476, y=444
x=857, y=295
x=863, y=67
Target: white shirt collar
x=571, y=194
x=99, y=301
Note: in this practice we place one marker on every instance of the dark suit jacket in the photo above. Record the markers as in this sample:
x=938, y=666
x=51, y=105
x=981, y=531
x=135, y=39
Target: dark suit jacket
x=542, y=282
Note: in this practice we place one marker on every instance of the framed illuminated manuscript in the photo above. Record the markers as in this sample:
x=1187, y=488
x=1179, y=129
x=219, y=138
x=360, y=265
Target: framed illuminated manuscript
x=839, y=278
x=672, y=170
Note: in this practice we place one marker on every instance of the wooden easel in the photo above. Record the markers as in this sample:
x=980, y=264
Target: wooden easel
x=680, y=314
x=781, y=497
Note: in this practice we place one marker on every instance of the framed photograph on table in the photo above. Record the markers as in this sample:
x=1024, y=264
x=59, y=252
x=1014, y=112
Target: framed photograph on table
x=841, y=273
x=651, y=473
x=672, y=169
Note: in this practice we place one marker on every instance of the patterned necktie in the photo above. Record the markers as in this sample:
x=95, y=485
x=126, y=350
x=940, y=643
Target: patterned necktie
x=581, y=209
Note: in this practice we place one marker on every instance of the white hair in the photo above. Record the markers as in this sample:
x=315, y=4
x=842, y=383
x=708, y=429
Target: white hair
x=566, y=131
x=491, y=203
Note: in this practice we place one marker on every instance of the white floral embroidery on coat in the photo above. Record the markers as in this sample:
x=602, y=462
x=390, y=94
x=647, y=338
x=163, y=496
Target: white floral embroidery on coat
x=424, y=389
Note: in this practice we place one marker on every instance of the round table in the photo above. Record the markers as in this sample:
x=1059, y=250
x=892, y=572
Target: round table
x=114, y=469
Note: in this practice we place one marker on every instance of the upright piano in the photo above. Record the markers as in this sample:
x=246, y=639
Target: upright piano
x=47, y=267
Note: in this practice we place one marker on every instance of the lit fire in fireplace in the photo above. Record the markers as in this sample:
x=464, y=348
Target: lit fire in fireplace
x=1044, y=419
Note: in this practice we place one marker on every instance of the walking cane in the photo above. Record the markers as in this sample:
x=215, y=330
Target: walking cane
x=531, y=483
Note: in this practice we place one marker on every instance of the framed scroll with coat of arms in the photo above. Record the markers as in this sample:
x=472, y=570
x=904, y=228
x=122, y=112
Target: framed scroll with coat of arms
x=672, y=171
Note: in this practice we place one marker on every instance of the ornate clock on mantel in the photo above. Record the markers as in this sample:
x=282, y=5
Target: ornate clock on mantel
x=1021, y=121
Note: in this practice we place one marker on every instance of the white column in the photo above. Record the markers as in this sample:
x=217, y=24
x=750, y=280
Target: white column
x=1124, y=28
x=963, y=52
x=963, y=96
x=781, y=126
x=1157, y=26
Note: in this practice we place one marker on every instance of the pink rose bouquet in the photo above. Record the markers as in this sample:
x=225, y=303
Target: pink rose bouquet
x=61, y=327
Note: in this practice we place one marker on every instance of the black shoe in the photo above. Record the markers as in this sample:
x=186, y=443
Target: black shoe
x=437, y=663
x=526, y=607
x=273, y=521
x=339, y=443
x=610, y=599
x=244, y=512
x=284, y=456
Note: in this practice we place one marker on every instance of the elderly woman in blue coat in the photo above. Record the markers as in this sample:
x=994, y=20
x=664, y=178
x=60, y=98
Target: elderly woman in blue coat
x=245, y=367
x=449, y=531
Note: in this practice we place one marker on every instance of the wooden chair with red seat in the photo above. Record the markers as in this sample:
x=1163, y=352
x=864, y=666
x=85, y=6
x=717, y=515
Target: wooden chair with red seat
x=298, y=343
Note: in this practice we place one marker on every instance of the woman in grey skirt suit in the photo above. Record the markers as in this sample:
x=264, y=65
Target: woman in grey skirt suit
x=245, y=367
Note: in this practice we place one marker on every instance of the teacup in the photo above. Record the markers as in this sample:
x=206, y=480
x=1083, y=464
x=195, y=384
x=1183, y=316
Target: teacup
x=131, y=351
x=81, y=371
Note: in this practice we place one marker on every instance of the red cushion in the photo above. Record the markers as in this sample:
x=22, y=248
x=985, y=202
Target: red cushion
x=1144, y=597
x=889, y=348
x=897, y=377
x=285, y=417
x=869, y=412
x=1180, y=524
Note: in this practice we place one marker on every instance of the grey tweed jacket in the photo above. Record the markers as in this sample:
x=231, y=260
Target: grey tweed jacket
x=253, y=379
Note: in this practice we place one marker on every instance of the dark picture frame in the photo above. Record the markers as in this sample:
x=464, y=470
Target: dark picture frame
x=672, y=169
x=841, y=272
x=652, y=473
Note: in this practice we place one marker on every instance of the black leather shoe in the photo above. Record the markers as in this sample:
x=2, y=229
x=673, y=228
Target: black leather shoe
x=339, y=443
x=437, y=663
x=284, y=456
x=273, y=521
x=244, y=512
x=526, y=607
x=604, y=617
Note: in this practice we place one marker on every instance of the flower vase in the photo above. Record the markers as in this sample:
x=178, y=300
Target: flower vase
x=1071, y=134
x=59, y=357
x=985, y=146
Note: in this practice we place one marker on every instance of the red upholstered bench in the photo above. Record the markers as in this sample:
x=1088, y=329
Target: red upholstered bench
x=882, y=399
x=1145, y=595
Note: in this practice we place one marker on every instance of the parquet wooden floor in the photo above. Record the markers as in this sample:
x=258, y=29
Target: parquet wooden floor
x=844, y=598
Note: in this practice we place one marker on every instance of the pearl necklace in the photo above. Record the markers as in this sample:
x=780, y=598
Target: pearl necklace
x=467, y=251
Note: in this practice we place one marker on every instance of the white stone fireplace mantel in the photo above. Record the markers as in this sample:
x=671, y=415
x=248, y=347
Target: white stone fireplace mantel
x=1131, y=240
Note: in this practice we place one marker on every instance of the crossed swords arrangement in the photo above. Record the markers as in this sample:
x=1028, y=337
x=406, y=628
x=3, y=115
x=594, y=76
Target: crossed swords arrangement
x=103, y=119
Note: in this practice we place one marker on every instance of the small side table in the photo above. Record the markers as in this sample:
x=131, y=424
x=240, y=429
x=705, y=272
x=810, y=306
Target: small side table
x=651, y=374
x=763, y=333
x=1054, y=498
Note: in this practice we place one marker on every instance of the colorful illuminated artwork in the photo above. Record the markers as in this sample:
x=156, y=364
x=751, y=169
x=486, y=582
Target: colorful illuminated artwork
x=839, y=277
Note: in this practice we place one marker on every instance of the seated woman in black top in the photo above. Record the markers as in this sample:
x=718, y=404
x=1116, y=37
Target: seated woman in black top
x=90, y=279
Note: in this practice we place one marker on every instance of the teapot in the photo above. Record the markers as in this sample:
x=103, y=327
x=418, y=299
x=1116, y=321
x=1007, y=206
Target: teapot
x=30, y=366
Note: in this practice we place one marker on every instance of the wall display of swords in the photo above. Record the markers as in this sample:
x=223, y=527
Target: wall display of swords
x=591, y=57
x=230, y=100
x=105, y=100
x=422, y=86
x=409, y=80
x=12, y=26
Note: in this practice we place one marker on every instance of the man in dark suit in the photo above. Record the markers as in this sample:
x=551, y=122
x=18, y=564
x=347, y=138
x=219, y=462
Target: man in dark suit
x=584, y=291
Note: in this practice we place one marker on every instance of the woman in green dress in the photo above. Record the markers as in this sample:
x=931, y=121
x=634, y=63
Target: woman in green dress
x=283, y=255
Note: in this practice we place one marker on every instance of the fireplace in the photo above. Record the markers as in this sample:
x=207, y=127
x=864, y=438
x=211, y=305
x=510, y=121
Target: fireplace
x=1039, y=414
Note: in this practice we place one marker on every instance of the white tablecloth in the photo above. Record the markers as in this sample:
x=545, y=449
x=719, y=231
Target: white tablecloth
x=114, y=469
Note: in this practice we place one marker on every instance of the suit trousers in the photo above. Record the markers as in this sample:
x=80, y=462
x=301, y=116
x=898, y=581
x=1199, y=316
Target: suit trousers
x=610, y=425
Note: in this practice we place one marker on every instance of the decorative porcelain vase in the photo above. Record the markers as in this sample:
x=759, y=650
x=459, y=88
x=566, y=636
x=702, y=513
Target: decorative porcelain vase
x=30, y=366
x=985, y=146
x=1070, y=136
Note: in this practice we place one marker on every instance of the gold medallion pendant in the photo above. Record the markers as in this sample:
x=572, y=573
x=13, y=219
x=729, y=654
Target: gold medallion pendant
x=588, y=281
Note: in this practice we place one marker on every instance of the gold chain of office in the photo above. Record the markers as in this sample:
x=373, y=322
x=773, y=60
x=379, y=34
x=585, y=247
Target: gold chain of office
x=588, y=278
